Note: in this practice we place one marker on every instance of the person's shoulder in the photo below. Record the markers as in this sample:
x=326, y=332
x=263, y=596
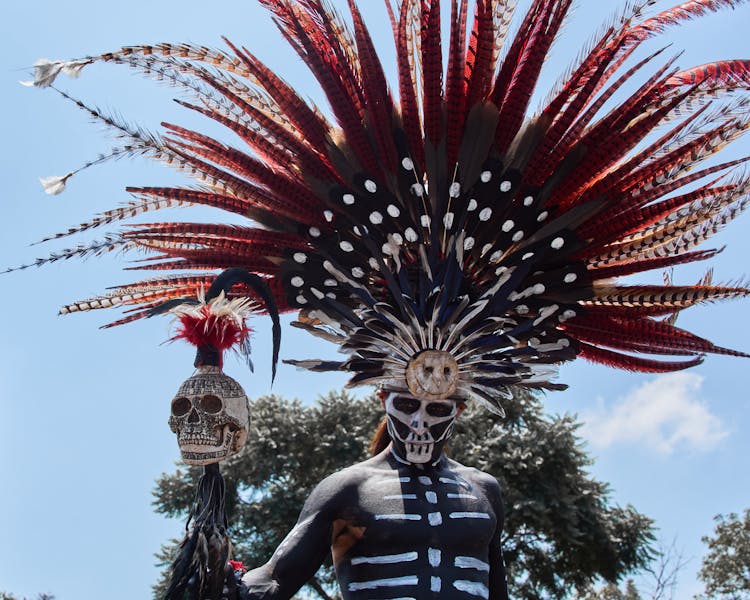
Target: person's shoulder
x=476, y=477
x=348, y=480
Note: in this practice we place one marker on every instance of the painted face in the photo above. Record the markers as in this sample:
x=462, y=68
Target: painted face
x=419, y=428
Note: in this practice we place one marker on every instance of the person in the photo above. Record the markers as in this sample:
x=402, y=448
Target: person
x=407, y=523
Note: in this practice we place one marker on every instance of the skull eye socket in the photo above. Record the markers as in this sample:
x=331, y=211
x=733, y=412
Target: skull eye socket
x=211, y=404
x=181, y=406
x=406, y=405
x=439, y=409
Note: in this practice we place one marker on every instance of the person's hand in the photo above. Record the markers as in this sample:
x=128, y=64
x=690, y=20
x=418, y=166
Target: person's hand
x=234, y=589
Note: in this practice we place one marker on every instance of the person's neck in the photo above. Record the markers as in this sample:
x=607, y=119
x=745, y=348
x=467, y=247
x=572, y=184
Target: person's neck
x=428, y=466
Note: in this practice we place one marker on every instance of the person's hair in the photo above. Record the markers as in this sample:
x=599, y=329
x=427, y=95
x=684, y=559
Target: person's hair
x=381, y=438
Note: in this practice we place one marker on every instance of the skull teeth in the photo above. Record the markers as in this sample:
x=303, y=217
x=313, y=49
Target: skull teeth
x=420, y=448
x=202, y=438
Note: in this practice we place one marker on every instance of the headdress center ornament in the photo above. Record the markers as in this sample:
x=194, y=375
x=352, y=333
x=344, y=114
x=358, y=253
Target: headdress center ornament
x=432, y=375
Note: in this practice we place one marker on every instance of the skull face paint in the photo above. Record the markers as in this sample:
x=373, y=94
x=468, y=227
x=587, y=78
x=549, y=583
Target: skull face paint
x=210, y=417
x=419, y=428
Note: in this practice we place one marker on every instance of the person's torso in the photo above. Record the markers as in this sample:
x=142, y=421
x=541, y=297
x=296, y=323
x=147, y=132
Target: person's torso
x=415, y=534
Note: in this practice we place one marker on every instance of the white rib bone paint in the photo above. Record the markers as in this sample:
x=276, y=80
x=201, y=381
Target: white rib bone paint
x=393, y=480
x=425, y=480
x=400, y=497
x=469, y=515
x=435, y=584
x=459, y=482
x=472, y=587
x=431, y=497
x=433, y=555
x=385, y=559
x=435, y=518
x=469, y=562
x=469, y=496
x=399, y=516
x=378, y=583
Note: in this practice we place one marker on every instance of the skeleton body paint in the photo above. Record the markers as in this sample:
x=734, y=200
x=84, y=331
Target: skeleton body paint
x=407, y=524
x=434, y=551
x=396, y=530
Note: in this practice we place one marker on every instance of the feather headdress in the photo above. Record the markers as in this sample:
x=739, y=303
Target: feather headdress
x=449, y=242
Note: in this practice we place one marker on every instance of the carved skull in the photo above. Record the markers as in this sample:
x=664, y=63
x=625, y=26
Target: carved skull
x=418, y=428
x=210, y=416
x=432, y=375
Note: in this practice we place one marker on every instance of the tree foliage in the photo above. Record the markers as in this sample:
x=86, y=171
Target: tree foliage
x=612, y=592
x=726, y=566
x=658, y=580
x=561, y=532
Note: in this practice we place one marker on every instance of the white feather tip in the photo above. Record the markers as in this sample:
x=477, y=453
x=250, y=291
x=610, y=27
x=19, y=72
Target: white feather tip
x=46, y=71
x=56, y=184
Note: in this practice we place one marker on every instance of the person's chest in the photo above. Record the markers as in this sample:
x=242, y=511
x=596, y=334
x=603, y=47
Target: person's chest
x=410, y=507
x=415, y=532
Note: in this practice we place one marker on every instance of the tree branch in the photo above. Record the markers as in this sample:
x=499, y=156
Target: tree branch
x=315, y=584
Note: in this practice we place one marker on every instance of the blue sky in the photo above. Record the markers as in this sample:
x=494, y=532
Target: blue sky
x=83, y=412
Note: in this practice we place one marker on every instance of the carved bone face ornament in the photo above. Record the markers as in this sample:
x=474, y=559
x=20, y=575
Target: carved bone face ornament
x=432, y=374
x=210, y=417
x=419, y=428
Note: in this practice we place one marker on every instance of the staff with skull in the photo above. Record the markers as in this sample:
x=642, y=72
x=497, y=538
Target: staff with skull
x=210, y=416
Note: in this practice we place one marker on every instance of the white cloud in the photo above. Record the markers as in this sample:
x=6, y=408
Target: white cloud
x=664, y=413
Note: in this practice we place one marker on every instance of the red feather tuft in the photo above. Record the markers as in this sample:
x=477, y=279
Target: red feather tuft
x=205, y=328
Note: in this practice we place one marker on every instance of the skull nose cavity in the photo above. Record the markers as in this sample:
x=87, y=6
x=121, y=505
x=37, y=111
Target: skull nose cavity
x=193, y=417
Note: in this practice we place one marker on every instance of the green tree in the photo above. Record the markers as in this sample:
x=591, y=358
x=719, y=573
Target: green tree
x=561, y=532
x=611, y=591
x=726, y=567
x=658, y=581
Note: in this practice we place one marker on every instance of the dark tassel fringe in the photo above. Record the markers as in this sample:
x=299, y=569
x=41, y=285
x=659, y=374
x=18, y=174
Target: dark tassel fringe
x=198, y=572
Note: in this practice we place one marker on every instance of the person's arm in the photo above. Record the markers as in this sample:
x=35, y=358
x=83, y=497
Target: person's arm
x=303, y=550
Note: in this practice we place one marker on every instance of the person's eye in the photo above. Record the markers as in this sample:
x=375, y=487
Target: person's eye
x=439, y=409
x=406, y=405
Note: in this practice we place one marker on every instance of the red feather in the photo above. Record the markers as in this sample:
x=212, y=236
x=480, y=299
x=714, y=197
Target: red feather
x=455, y=93
x=310, y=125
x=208, y=329
x=730, y=74
x=481, y=56
x=639, y=266
x=432, y=64
x=617, y=224
x=409, y=103
x=527, y=70
x=633, y=363
x=378, y=105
